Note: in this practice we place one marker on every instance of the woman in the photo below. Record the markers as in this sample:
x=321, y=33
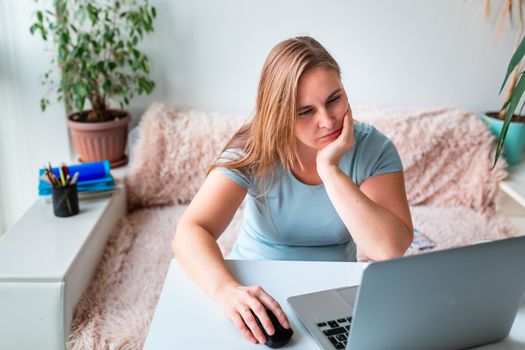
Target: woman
x=318, y=184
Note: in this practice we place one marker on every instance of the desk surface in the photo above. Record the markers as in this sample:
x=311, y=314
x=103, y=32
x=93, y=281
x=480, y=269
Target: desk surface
x=187, y=318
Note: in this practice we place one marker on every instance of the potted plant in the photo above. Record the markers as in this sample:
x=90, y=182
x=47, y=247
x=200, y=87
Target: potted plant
x=513, y=125
x=509, y=127
x=98, y=63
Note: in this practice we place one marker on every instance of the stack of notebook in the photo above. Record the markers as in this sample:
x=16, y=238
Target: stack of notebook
x=94, y=179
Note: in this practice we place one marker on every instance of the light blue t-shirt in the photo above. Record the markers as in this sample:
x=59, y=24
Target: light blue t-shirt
x=295, y=221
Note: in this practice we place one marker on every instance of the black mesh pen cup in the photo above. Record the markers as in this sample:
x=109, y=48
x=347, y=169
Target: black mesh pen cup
x=65, y=200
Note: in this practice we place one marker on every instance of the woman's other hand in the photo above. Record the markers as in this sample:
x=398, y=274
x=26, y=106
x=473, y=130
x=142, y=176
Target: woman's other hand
x=241, y=304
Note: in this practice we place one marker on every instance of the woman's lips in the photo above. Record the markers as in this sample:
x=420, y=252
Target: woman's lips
x=331, y=136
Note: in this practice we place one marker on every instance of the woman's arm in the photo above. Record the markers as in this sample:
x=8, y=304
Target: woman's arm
x=376, y=213
x=199, y=255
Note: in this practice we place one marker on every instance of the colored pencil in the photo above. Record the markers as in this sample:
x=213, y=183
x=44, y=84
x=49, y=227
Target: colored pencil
x=75, y=177
x=62, y=176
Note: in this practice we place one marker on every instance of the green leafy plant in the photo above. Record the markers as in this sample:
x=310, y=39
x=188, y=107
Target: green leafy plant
x=506, y=11
x=516, y=94
x=97, y=53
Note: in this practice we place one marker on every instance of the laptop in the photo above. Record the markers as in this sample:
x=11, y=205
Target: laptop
x=449, y=299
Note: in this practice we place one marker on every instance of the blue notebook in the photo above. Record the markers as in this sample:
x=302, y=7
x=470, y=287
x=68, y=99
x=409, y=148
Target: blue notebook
x=94, y=176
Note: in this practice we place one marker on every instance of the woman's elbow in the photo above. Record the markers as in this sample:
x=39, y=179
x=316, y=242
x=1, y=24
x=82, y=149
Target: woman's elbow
x=387, y=254
x=396, y=249
x=409, y=237
x=402, y=244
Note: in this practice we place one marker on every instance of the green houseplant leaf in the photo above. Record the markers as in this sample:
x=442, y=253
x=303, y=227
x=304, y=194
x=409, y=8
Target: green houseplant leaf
x=514, y=61
x=512, y=103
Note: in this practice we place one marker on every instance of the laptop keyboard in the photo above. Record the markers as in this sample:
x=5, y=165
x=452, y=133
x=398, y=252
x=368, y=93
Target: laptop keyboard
x=336, y=331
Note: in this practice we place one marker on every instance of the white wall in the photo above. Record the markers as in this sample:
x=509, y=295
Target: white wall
x=28, y=137
x=207, y=54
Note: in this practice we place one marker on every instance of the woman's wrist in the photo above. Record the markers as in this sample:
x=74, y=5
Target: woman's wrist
x=326, y=170
x=222, y=289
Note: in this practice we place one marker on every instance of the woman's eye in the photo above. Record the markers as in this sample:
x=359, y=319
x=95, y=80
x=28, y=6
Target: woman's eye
x=304, y=113
x=334, y=99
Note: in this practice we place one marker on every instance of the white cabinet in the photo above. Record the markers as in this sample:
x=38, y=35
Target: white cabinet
x=46, y=263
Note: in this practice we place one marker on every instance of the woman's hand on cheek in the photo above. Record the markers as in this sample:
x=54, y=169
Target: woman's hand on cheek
x=331, y=153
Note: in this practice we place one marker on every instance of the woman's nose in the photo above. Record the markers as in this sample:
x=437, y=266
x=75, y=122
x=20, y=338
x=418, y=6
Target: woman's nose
x=325, y=119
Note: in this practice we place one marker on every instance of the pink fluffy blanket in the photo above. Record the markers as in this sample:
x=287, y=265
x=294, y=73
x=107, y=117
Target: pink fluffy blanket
x=447, y=154
x=447, y=157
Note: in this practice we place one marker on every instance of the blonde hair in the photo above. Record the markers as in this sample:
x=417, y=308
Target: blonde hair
x=269, y=139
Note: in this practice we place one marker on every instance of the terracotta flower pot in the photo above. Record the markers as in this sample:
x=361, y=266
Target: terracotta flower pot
x=101, y=140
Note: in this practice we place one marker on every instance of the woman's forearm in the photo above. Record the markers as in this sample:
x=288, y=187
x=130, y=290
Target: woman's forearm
x=377, y=232
x=200, y=257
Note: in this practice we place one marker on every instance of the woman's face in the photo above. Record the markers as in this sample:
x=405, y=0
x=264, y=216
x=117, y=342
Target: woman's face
x=322, y=103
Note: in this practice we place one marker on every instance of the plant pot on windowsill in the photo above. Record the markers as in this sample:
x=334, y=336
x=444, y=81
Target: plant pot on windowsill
x=515, y=140
x=100, y=140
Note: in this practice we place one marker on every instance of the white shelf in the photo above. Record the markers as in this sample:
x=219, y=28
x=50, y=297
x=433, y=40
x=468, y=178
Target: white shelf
x=46, y=263
x=513, y=201
x=514, y=184
x=42, y=246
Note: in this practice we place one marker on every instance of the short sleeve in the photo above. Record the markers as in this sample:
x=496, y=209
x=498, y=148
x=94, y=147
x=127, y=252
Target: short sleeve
x=238, y=176
x=379, y=156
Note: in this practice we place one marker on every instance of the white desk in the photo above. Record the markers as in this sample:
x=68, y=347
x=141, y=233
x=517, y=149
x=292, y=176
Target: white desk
x=186, y=318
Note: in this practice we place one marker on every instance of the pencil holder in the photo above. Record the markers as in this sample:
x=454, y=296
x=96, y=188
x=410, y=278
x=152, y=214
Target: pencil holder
x=65, y=200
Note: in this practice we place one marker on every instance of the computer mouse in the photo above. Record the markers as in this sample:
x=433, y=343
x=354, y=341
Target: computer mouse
x=281, y=335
